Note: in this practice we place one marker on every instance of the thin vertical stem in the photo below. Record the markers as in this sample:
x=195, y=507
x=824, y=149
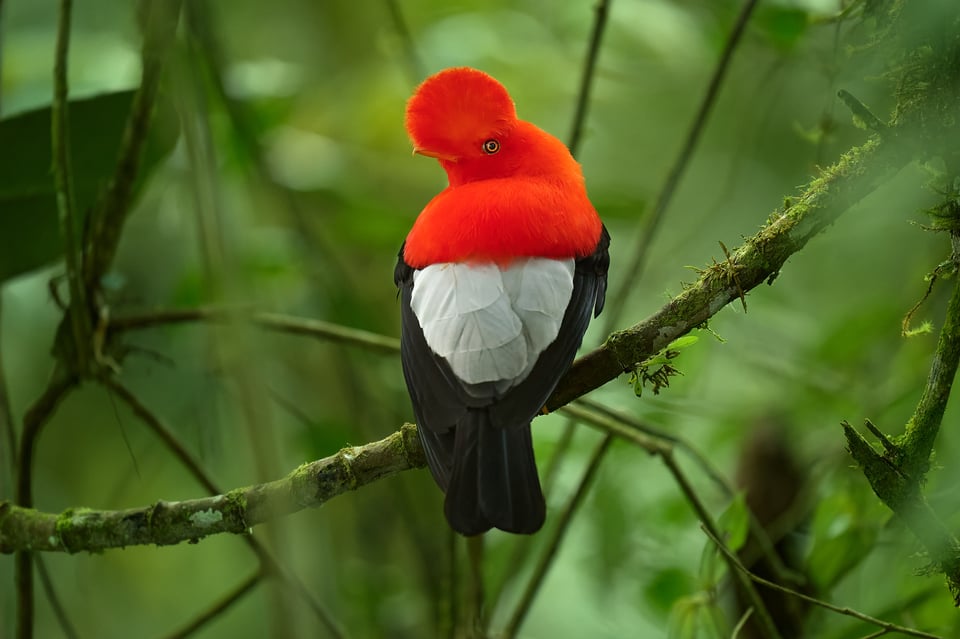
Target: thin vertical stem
x=415, y=67
x=589, y=68
x=1, y=57
x=33, y=422
x=764, y=620
x=77, y=313
x=634, y=269
x=219, y=607
x=8, y=438
x=66, y=626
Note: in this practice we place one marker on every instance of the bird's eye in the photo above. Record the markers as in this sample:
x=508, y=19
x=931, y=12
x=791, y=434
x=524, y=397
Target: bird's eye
x=491, y=146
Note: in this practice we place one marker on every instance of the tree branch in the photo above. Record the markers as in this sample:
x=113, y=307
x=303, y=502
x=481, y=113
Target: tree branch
x=165, y=523
x=897, y=475
x=858, y=172
x=759, y=259
x=633, y=270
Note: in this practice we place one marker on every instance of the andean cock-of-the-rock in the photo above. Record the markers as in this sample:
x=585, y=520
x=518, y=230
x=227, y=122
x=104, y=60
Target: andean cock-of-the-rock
x=499, y=278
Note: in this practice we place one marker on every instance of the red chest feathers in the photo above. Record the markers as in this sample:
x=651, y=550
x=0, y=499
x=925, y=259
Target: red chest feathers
x=500, y=220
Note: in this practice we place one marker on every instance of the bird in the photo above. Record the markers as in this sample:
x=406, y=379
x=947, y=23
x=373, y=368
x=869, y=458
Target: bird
x=498, y=278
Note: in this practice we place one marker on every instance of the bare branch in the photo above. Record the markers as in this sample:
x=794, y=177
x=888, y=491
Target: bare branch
x=318, y=329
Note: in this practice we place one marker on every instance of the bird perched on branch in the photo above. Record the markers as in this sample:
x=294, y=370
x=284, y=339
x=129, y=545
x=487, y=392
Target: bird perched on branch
x=499, y=277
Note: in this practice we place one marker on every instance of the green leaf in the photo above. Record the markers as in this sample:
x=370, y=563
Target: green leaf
x=734, y=523
x=734, y=526
x=682, y=342
x=684, y=620
x=843, y=533
x=29, y=227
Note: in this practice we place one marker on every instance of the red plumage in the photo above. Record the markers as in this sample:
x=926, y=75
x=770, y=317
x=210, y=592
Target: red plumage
x=499, y=277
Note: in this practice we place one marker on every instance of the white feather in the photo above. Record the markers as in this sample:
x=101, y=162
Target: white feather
x=491, y=324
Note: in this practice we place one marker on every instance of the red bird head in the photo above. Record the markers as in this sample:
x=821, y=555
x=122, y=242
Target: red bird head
x=453, y=113
x=466, y=120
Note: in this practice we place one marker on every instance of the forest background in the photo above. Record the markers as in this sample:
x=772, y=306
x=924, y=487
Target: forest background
x=260, y=180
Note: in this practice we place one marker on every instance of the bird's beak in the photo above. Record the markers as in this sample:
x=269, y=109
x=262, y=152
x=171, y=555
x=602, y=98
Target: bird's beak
x=434, y=154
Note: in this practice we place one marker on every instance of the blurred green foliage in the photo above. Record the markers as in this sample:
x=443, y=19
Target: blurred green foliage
x=303, y=194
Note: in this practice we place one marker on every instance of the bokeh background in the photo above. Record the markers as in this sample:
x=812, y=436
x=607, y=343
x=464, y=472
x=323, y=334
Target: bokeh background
x=295, y=200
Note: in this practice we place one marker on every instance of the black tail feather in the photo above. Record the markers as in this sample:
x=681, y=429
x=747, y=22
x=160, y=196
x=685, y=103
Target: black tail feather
x=494, y=482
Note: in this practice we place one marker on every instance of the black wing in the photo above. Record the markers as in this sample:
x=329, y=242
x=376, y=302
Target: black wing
x=586, y=301
x=495, y=480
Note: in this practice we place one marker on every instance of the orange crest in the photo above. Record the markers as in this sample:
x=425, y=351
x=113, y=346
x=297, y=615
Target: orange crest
x=452, y=111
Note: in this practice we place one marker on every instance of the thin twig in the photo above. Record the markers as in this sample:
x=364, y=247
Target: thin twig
x=8, y=438
x=33, y=422
x=111, y=212
x=764, y=620
x=219, y=607
x=448, y=609
x=848, y=612
x=706, y=466
x=634, y=270
x=78, y=311
x=415, y=67
x=474, y=592
x=1, y=55
x=318, y=329
x=523, y=543
x=655, y=440
x=268, y=563
x=326, y=264
x=740, y=624
x=553, y=544
x=66, y=626
x=601, y=10
x=161, y=430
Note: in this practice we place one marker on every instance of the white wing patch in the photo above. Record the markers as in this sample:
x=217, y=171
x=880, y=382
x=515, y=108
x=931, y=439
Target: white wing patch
x=492, y=323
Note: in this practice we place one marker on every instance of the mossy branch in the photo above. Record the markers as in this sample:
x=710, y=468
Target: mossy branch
x=897, y=474
x=759, y=259
x=165, y=523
